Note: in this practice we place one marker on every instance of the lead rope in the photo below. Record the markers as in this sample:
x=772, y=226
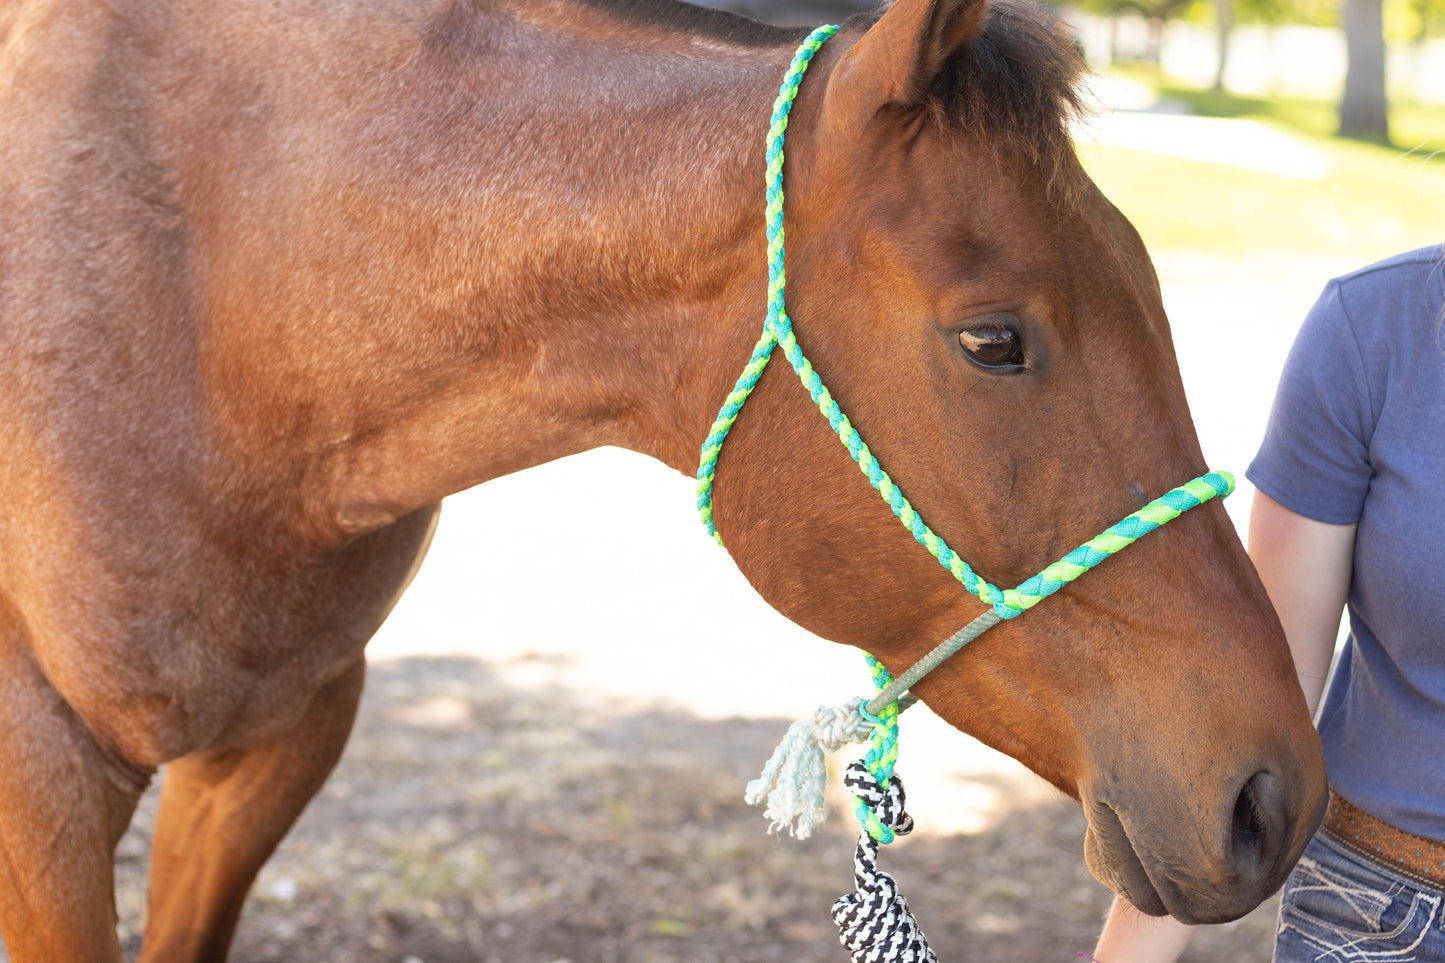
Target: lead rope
x=875, y=922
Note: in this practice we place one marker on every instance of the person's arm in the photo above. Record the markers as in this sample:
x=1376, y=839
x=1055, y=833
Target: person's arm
x=1306, y=567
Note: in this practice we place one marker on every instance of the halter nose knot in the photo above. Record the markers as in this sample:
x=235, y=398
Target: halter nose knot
x=886, y=804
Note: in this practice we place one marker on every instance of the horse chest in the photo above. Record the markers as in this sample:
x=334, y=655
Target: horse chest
x=228, y=650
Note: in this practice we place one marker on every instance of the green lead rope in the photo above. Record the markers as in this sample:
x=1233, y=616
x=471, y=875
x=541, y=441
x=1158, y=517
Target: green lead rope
x=882, y=754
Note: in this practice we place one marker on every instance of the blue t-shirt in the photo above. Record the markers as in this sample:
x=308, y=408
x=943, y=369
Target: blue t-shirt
x=1357, y=436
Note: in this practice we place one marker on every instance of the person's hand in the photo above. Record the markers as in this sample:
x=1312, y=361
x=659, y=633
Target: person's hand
x=1131, y=937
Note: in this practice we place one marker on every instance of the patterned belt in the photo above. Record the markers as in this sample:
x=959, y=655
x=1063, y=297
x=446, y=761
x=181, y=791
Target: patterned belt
x=1415, y=856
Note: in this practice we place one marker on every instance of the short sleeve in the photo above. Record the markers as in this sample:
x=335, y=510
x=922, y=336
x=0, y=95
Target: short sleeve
x=1315, y=457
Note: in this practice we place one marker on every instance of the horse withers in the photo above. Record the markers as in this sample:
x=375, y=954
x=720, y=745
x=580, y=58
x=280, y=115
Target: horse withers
x=277, y=277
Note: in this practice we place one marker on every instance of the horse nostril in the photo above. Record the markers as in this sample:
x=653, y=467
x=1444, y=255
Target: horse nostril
x=1248, y=828
x=1256, y=824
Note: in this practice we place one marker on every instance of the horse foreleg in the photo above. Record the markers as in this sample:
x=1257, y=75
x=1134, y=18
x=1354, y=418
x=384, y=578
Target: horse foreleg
x=223, y=812
x=64, y=804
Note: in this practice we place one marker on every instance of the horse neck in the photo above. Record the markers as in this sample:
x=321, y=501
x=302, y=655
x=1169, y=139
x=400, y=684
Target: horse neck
x=640, y=188
x=596, y=187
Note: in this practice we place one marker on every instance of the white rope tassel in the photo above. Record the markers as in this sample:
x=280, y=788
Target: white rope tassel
x=874, y=923
x=796, y=776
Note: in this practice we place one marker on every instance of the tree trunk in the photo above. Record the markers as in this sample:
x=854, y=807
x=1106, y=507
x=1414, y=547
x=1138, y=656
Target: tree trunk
x=1364, y=112
x=1154, y=45
x=1224, y=27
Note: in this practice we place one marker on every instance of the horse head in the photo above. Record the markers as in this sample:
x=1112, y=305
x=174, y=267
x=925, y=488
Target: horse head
x=994, y=328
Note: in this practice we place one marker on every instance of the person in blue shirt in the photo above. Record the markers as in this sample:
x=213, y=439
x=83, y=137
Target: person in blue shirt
x=1349, y=513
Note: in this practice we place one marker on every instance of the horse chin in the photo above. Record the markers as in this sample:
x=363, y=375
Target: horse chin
x=1112, y=859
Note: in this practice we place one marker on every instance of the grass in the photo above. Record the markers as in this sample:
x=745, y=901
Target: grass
x=1413, y=126
x=1371, y=201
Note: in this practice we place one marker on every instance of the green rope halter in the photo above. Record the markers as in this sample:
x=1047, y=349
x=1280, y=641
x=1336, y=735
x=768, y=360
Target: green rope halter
x=1004, y=603
x=778, y=332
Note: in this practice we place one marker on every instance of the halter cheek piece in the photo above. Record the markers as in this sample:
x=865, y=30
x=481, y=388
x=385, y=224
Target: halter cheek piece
x=874, y=921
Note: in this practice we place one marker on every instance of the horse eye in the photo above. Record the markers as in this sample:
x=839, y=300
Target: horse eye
x=992, y=346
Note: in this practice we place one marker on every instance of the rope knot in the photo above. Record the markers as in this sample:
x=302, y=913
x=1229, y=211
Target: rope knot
x=833, y=727
x=796, y=776
x=874, y=922
x=885, y=804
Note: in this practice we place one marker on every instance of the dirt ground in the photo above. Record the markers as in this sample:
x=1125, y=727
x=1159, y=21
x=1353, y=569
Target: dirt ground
x=475, y=822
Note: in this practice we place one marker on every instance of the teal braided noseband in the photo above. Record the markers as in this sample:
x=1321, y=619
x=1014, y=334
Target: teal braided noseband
x=778, y=333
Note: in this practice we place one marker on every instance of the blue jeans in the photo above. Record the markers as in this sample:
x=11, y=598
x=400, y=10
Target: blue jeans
x=1339, y=907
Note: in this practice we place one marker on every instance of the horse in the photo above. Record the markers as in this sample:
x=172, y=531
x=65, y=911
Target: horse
x=278, y=276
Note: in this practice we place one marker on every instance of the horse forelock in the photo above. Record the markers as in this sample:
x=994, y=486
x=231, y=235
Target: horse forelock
x=1019, y=88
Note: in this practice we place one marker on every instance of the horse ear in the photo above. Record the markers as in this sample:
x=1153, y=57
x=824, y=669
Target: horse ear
x=898, y=58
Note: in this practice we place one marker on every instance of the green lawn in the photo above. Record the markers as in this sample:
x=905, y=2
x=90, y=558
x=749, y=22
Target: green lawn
x=1420, y=127
x=1372, y=200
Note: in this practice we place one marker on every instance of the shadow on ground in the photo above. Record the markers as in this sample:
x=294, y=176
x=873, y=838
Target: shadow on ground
x=474, y=819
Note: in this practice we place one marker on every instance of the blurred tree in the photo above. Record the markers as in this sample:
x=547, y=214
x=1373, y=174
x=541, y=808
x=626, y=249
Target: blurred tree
x=1416, y=21
x=1224, y=26
x=1422, y=20
x=1156, y=14
x=1364, y=108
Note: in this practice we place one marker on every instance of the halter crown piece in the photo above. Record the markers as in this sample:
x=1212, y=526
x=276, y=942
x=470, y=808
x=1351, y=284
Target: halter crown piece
x=876, y=926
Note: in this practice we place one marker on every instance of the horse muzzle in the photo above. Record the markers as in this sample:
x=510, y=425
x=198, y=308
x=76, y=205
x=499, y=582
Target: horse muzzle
x=1245, y=845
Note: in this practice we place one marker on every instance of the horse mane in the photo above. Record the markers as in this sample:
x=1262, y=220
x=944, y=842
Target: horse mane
x=692, y=18
x=1017, y=87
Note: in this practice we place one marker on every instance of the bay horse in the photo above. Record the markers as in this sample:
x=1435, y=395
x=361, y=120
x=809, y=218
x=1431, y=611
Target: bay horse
x=277, y=276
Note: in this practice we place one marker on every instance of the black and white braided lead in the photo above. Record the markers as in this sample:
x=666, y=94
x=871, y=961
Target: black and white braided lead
x=874, y=922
